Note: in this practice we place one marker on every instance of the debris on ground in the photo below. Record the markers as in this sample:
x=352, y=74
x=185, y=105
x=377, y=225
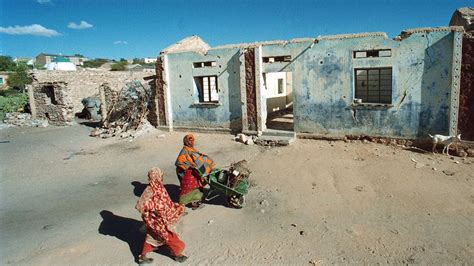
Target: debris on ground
x=248, y=140
x=126, y=114
x=91, y=108
x=448, y=172
x=23, y=120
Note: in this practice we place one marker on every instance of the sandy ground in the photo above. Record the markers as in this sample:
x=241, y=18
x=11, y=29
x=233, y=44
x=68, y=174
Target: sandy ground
x=67, y=198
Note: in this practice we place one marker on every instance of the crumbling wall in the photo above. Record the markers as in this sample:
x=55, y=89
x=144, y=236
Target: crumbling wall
x=251, y=89
x=160, y=93
x=86, y=83
x=52, y=101
x=466, y=98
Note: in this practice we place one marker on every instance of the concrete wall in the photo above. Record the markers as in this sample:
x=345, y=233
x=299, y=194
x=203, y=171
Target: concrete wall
x=323, y=84
x=423, y=98
x=86, y=83
x=184, y=97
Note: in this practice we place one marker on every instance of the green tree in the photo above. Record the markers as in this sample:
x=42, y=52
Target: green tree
x=95, y=63
x=119, y=66
x=19, y=78
x=6, y=63
x=138, y=61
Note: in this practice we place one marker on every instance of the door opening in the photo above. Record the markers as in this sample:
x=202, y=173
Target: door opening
x=279, y=100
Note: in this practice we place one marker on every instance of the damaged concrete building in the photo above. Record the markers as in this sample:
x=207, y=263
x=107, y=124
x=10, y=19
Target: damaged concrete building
x=465, y=17
x=57, y=96
x=351, y=84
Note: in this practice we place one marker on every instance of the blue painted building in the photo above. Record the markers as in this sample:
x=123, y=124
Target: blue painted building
x=354, y=84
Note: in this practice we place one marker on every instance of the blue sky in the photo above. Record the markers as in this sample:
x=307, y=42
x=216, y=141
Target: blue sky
x=141, y=28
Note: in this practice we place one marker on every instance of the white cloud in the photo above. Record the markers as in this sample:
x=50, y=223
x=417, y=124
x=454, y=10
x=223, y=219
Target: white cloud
x=80, y=26
x=120, y=42
x=34, y=29
x=44, y=1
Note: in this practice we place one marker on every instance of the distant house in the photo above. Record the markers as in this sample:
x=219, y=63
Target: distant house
x=135, y=68
x=22, y=60
x=61, y=63
x=43, y=59
x=150, y=69
x=149, y=60
x=4, y=79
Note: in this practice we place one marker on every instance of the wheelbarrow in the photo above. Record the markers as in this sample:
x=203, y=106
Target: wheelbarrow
x=232, y=183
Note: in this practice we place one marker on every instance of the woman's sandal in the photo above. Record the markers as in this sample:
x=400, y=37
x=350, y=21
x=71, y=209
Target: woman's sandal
x=197, y=205
x=180, y=258
x=144, y=260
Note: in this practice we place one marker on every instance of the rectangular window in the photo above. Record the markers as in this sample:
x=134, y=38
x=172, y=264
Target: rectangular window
x=280, y=86
x=207, y=88
x=373, y=53
x=373, y=85
x=204, y=64
x=273, y=59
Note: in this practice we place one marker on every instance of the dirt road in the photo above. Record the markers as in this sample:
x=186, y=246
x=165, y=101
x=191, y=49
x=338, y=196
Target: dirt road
x=67, y=198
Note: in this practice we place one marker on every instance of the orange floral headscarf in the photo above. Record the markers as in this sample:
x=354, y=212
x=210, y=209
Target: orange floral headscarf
x=189, y=140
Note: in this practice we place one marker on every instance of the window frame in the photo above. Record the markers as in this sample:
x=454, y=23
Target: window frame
x=200, y=86
x=282, y=86
x=366, y=95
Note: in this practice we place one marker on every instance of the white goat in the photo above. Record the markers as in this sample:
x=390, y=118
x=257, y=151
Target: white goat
x=445, y=140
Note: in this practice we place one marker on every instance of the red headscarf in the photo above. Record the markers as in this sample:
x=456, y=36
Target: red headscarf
x=157, y=209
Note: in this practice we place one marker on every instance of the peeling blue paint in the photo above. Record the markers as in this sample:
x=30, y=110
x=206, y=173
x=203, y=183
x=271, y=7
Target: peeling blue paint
x=323, y=85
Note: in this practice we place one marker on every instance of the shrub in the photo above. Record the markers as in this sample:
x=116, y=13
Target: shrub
x=11, y=101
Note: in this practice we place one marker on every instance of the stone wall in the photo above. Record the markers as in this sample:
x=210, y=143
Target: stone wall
x=250, y=88
x=160, y=93
x=86, y=83
x=466, y=99
x=51, y=101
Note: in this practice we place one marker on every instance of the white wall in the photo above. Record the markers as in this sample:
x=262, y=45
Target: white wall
x=278, y=101
x=271, y=81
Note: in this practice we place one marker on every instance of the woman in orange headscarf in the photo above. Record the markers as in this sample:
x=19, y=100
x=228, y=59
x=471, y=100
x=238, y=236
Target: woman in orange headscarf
x=190, y=159
x=159, y=214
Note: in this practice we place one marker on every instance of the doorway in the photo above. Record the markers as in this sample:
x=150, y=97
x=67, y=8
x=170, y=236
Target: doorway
x=279, y=101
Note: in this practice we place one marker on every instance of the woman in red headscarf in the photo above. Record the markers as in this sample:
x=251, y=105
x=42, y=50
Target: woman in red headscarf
x=159, y=214
x=190, y=159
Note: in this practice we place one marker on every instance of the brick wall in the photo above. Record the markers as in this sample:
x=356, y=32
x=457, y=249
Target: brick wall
x=466, y=98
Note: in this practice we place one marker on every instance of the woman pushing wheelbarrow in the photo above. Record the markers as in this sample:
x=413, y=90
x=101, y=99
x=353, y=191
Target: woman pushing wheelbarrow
x=195, y=169
x=190, y=159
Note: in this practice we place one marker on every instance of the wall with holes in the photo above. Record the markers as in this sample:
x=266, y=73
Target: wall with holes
x=324, y=83
x=186, y=105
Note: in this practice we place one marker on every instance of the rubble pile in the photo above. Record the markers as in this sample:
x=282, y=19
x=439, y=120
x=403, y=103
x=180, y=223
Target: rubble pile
x=23, y=120
x=126, y=111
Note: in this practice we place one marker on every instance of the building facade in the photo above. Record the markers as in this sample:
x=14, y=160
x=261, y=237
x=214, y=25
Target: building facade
x=43, y=59
x=354, y=84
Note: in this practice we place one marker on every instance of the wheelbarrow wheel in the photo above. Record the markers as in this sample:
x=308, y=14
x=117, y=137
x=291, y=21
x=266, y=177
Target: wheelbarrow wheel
x=236, y=201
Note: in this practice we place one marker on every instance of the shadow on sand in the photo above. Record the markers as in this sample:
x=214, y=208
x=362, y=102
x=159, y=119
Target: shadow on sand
x=128, y=230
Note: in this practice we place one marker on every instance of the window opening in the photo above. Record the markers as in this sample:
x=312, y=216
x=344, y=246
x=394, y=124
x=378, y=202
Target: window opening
x=207, y=88
x=373, y=85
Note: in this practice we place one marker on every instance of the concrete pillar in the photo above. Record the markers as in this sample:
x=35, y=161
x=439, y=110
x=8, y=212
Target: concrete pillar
x=243, y=91
x=31, y=100
x=455, y=83
x=167, y=94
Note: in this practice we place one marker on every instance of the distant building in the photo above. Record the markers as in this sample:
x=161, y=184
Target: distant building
x=148, y=60
x=135, y=68
x=3, y=79
x=61, y=63
x=22, y=60
x=43, y=59
x=150, y=69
